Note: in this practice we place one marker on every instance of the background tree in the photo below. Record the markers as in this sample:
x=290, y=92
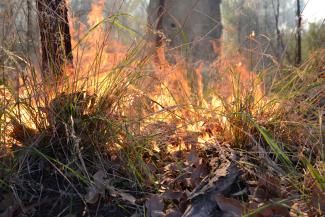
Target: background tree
x=29, y=25
x=272, y=22
x=279, y=41
x=55, y=36
x=298, y=34
x=193, y=27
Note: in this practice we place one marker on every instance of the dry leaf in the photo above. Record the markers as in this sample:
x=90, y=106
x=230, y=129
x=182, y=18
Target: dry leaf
x=218, y=181
x=99, y=187
x=197, y=174
x=127, y=197
x=202, y=206
x=230, y=205
x=274, y=210
x=99, y=181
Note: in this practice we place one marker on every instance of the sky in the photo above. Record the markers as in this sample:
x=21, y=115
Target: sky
x=314, y=10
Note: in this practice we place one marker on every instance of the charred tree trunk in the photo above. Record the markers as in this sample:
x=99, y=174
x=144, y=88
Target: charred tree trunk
x=298, y=34
x=55, y=36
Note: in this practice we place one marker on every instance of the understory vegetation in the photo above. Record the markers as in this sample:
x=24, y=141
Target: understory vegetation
x=139, y=131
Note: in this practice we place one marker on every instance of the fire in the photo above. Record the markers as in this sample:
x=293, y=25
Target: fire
x=96, y=13
x=95, y=52
x=176, y=89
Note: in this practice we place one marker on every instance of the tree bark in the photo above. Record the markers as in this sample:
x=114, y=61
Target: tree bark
x=159, y=37
x=55, y=36
x=298, y=34
x=280, y=45
x=191, y=27
x=29, y=26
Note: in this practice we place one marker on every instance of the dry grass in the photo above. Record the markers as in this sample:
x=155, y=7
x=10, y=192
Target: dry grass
x=153, y=131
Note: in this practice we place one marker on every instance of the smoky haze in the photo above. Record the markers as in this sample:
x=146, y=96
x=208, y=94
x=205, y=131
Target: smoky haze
x=239, y=20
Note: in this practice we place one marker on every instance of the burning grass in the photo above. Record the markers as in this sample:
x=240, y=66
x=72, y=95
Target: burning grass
x=128, y=133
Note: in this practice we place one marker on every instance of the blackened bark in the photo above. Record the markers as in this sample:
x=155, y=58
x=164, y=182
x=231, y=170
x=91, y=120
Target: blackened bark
x=55, y=36
x=298, y=34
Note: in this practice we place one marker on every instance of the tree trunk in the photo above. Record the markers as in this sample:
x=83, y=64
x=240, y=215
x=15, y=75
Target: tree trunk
x=55, y=36
x=279, y=41
x=192, y=27
x=298, y=34
x=159, y=37
x=29, y=26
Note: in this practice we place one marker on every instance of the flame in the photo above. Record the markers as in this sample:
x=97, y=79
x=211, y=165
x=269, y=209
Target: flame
x=174, y=97
x=96, y=13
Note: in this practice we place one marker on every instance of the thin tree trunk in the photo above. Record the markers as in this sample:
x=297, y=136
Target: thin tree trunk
x=298, y=34
x=55, y=36
x=279, y=41
x=29, y=26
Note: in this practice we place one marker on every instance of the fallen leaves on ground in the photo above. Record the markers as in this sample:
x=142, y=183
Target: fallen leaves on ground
x=100, y=184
